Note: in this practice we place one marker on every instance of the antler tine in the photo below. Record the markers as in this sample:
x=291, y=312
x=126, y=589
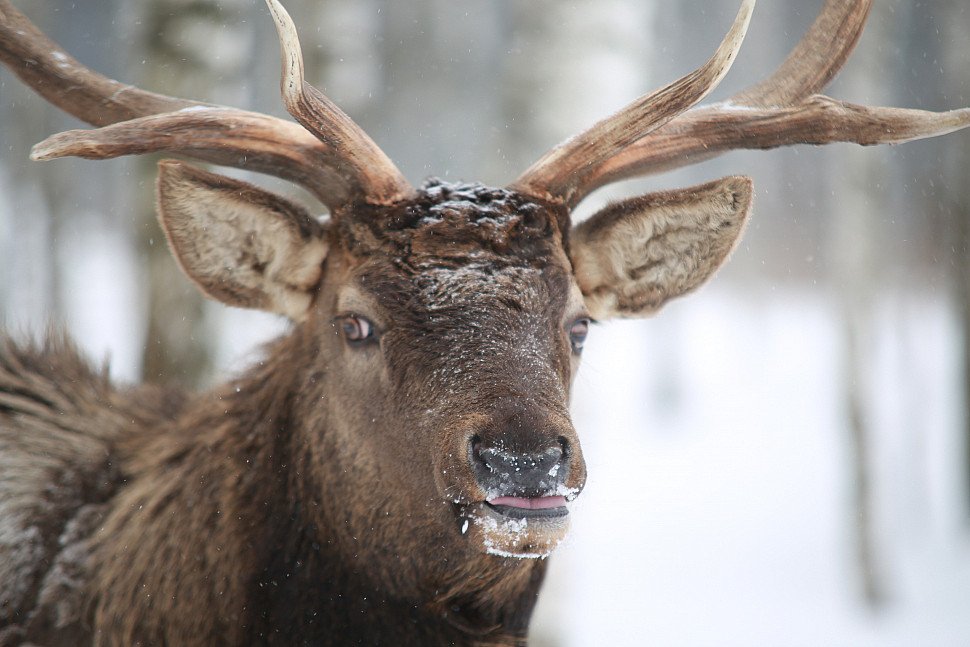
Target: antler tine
x=135, y=121
x=224, y=136
x=361, y=158
x=783, y=110
x=818, y=120
x=815, y=60
x=563, y=172
x=42, y=65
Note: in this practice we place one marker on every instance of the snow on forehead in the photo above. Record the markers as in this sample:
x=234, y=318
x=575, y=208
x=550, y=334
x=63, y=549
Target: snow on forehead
x=445, y=224
x=476, y=202
x=449, y=287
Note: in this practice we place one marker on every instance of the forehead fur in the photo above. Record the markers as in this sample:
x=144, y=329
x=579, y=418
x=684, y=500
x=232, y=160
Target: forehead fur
x=461, y=258
x=473, y=328
x=447, y=223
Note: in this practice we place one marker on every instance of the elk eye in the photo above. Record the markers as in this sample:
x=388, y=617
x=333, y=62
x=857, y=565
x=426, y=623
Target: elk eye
x=577, y=334
x=355, y=329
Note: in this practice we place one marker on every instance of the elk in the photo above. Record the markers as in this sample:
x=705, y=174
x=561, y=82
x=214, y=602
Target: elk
x=394, y=469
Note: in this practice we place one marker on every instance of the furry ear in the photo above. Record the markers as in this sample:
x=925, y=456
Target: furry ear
x=633, y=256
x=241, y=245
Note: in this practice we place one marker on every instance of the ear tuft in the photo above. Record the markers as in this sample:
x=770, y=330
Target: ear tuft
x=634, y=256
x=240, y=244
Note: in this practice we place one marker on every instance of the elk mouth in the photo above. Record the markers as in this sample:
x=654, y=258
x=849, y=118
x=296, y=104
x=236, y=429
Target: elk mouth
x=519, y=527
x=515, y=503
x=529, y=508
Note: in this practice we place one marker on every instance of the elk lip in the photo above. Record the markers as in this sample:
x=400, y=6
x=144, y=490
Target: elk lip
x=529, y=508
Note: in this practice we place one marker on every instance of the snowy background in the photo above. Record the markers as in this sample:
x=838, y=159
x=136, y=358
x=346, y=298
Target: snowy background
x=720, y=505
x=733, y=497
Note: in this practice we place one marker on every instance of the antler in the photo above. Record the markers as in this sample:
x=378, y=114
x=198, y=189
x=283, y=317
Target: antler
x=42, y=65
x=782, y=110
x=562, y=172
x=329, y=123
x=338, y=162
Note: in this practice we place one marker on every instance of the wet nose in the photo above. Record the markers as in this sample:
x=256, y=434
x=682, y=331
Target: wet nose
x=501, y=472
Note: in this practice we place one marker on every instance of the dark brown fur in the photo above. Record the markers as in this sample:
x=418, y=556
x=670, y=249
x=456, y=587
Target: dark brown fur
x=298, y=504
x=61, y=429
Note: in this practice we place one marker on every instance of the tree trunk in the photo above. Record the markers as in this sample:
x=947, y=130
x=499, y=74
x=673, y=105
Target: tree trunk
x=956, y=195
x=197, y=49
x=855, y=240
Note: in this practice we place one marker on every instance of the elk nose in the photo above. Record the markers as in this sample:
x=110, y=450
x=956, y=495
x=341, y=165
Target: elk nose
x=501, y=472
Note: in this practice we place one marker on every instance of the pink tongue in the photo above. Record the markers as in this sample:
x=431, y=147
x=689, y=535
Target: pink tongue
x=539, y=503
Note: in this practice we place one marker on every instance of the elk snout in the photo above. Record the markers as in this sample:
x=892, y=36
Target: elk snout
x=515, y=456
x=519, y=467
x=527, y=475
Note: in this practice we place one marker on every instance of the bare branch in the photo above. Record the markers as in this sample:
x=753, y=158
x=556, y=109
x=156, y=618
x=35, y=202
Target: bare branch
x=562, y=173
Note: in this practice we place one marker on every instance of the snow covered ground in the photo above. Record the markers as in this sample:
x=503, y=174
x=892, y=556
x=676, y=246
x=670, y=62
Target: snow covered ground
x=719, y=505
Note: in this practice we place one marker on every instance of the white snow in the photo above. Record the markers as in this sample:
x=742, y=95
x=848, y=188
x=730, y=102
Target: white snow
x=498, y=535
x=99, y=293
x=718, y=509
x=498, y=552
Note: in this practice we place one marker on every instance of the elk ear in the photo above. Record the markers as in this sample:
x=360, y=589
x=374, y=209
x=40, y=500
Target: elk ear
x=241, y=245
x=633, y=256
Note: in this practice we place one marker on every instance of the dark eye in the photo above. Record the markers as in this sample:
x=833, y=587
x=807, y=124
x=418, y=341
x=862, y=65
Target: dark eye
x=355, y=329
x=577, y=334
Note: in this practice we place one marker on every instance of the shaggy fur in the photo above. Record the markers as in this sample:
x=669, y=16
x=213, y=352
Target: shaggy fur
x=208, y=530
x=61, y=429
x=328, y=496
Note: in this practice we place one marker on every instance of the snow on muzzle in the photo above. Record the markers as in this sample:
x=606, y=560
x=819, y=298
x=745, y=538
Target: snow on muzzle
x=524, y=514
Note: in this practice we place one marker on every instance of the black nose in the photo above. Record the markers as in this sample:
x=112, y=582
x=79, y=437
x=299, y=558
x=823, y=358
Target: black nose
x=501, y=472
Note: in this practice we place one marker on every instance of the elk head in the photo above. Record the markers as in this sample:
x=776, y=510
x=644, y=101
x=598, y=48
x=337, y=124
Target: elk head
x=447, y=322
x=449, y=319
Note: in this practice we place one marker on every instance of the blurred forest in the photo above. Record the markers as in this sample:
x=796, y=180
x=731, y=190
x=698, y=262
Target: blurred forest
x=781, y=458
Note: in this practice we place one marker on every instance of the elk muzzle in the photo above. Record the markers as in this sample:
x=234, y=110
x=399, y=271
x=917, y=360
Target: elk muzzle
x=521, y=468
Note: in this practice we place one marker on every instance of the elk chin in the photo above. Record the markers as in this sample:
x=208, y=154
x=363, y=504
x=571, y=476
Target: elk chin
x=502, y=535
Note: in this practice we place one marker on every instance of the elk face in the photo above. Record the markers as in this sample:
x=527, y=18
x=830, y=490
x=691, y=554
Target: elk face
x=449, y=320
x=447, y=329
x=463, y=316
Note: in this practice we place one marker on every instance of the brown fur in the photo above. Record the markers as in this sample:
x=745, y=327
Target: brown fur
x=264, y=512
x=328, y=495
x=200, y=535
x=61, y=425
